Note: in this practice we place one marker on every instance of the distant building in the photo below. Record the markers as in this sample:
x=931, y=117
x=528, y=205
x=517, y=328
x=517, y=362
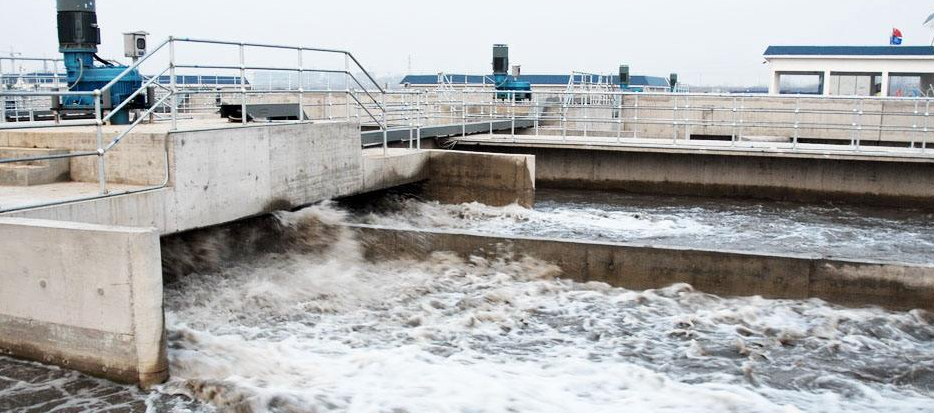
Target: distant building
x=638, y=83
x=852, y=70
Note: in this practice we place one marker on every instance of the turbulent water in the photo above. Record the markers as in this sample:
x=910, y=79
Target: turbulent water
x=776, y=227
x=321, y=329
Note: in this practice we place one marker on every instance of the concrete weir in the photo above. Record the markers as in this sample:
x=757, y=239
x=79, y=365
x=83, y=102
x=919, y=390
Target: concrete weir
x=892, y=285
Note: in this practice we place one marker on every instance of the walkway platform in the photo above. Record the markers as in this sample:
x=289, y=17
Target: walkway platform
x=743, y=148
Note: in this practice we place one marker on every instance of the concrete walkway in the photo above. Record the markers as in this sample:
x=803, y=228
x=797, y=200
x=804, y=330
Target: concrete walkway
x=743, y=147
x=12, y=197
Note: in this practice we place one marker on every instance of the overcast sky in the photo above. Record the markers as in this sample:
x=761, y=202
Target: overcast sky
x=706, y=42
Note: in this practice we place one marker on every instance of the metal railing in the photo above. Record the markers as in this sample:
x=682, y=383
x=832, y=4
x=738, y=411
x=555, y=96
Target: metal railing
x=574, y=115
x=898, y=126
x=365, y=92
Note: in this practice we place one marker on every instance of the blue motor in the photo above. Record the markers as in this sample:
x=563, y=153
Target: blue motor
x=507, y=85
x=78, y=37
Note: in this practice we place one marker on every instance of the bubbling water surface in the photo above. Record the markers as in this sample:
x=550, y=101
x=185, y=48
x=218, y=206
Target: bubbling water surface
x=773, y=227
x=322, y=329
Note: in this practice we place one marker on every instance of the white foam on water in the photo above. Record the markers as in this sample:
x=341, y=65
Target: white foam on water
x=333, y=332
x=774, y=228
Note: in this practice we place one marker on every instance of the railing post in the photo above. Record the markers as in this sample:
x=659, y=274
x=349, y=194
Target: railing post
x=586, y=102
x=347, y=85
x=742, y=118
x=301, y=87
x=242, y=85
x=927, y=113
x=797, y=118
x=418, y=120
x=513, y=129
x=635, y=117
x=382, y=98
x=564, y=116
x=859, y=122
x=3, y=99
x=492, y=110
x=463, y=113
x=328, y=113
x=914, y=125
x=619, y=119
x=408, y=119
x=173, y=86
x=733, y=126
x=674, y=120
x=101, y=177
x=687, y=117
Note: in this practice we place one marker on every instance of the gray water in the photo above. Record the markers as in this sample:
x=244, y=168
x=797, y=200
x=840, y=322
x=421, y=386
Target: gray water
x=330, y=331
x=773, y=227
x=309, y=325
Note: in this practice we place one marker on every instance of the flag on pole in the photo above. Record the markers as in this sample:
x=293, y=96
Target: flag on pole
x=896, y=38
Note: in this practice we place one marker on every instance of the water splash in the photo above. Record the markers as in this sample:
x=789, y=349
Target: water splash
x=321, y=328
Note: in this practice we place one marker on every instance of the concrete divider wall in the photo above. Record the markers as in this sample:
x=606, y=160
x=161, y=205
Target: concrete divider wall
x=634, y=266
x=489, y=178
x=83, y=296
x=797, y=177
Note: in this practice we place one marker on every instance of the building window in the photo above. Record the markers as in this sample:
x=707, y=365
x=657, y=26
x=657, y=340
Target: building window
x=800, y=83
x=855, y=84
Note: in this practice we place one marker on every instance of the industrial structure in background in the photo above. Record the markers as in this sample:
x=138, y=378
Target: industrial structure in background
x=504, y=83
x=508, y=87
x=78, y=37
x=896, y=71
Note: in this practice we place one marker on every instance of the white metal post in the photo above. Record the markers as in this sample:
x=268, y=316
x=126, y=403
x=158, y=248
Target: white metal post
x=927, y=113
x=635, y=116
x=619, y=119
x=2, y=99
x=301, y=87
x=243, y=113
x=418, y=121
x=101, y=178
x=859, y=122
x=385, y=127
x=173, y=86
x=674, y=121
x=794, y=140
x=513, y=110
x=346, y=85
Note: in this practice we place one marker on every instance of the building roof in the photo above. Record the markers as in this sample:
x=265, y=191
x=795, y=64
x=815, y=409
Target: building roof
x=849, y=51
x=635, y=80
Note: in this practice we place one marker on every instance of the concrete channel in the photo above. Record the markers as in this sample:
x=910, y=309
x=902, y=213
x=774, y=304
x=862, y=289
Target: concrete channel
x=81, y=286
x=893, y=285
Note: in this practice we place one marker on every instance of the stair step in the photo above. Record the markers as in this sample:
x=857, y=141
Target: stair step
x=33, y=172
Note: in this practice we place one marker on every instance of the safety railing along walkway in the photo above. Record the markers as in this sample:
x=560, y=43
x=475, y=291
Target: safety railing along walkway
x=895, y=126
x=365, y=92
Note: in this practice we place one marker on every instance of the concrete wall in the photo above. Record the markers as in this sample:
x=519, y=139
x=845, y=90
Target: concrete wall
x=892, y=285
x=221, y=175
x=138, y=159
x=489, y=178
x=83, y=296
x=798, y=177
x=399, y=167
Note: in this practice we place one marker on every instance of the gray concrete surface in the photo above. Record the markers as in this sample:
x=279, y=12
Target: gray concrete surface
x=83, y=296
x=636, y=266
x=33, y=172
x=871, y=180
x=219, y=175
x=491, y=179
